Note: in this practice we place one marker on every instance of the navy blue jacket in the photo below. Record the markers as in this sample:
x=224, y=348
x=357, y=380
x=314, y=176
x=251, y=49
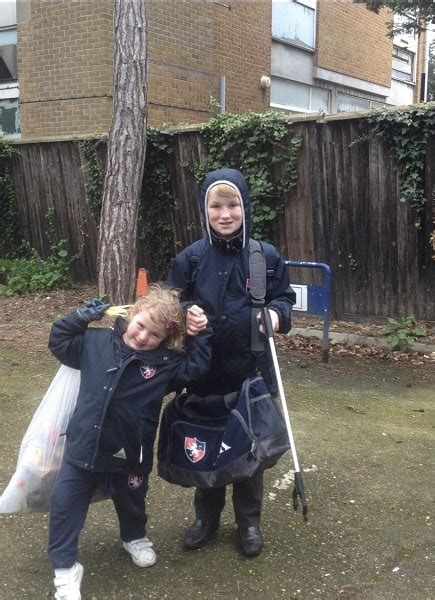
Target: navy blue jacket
x=219, y=283
x=114, y=424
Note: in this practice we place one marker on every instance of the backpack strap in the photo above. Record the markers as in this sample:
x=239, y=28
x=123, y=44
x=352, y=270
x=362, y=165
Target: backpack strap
x=257, y=285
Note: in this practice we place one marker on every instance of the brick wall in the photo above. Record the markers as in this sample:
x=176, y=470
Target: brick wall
x=65, y=61
x=243, y=48
x=64, y=67
x=352, y=40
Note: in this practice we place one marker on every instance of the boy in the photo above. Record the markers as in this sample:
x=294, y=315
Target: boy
x=213, y=276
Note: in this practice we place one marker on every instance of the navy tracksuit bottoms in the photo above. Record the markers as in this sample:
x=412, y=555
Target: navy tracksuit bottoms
x=69, y=503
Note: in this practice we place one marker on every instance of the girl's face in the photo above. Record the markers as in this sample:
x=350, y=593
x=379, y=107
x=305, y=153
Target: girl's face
x=143, y=334
x=224, y=214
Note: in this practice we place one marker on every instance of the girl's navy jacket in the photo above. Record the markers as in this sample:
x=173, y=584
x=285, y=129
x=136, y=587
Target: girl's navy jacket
x=113, y=427
x=214, y=274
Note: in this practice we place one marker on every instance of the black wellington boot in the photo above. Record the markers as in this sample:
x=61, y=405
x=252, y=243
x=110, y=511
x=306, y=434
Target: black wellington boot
x=250, y=540
x=200, y=533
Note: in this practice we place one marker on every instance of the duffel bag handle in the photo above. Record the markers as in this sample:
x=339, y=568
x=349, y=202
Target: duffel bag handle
x=208, y=408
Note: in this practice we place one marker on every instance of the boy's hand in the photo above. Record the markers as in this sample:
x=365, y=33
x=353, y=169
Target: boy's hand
x=93, y=310
x=196, y=320
x=274, y=320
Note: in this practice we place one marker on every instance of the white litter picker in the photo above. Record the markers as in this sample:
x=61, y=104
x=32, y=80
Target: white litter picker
x=298, y=491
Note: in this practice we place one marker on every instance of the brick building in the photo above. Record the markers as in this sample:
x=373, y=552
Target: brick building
x=334, y=56
x=298, y=55
x=65, y=62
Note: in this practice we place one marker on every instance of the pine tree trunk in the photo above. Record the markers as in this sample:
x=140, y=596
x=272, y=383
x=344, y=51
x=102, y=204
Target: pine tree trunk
x=117, y=247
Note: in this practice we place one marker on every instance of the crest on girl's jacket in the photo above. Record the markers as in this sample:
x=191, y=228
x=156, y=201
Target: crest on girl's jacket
x=135, y=481
x=194, y=449
x=147, y=371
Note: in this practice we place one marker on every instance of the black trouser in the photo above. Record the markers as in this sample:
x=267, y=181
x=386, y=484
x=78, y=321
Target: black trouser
x=69, y=503
x=247, y=501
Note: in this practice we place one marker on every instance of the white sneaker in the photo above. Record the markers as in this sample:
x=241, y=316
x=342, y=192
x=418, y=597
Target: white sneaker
x=68, y=584
x=141, y=551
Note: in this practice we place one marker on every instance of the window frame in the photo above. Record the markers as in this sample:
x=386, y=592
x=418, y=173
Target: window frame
x=412, y=57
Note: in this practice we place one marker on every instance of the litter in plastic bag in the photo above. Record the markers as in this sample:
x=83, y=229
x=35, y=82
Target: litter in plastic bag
x=42, y=447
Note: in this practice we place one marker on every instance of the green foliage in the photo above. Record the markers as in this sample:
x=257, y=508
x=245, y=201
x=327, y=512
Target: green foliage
x=406, y=133
x=154, y=225
x=213, y=105
x=93, y=176
x=33, y=274
x=10, y=234
x=261, y=147
x=415, y=15
x=401, y=333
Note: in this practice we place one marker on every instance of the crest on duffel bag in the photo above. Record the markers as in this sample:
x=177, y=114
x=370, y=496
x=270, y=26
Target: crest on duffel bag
x=194, y=449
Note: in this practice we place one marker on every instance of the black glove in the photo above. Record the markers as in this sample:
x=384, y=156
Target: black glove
x=93, y=310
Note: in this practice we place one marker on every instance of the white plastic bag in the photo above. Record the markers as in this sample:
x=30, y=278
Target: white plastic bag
x=41, y=450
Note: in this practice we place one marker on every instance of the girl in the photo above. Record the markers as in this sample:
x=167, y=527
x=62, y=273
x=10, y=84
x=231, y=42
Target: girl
x=125, y=372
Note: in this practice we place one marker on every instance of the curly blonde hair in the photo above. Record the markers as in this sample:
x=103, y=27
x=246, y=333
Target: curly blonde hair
x=164, y=308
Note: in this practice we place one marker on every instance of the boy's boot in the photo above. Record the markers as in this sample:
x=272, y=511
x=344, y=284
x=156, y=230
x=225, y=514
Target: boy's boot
x=67, y=582
x=200, y=533
x=141, y=551
x=250, y=540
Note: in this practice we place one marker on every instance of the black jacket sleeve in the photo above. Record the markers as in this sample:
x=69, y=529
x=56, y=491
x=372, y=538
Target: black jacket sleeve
x=280, y=296
x=67, y=338
x=196, y=361
x=179, y=276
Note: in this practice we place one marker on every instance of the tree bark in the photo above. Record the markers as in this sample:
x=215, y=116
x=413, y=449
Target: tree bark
x=117, y=246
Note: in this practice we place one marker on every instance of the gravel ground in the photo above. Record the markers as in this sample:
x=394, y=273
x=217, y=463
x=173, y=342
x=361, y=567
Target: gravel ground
x=363, y=426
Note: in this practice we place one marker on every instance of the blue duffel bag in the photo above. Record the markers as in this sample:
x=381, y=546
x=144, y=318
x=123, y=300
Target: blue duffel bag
x=213, y=441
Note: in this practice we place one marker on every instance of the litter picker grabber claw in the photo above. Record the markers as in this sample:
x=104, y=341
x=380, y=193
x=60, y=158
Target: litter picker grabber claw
x=298, y=491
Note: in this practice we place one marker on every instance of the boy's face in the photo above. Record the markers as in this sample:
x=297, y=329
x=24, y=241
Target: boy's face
x=224, y=214
x=143, y=334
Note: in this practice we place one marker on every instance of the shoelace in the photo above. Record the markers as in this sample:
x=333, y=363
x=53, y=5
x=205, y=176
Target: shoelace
x=141, y=544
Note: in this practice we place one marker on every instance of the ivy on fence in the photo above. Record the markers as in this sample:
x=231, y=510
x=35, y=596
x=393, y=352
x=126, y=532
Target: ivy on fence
x=262, y=147
x=10, y=233
x=93, y=173
x=154, y=225
x=406, y=132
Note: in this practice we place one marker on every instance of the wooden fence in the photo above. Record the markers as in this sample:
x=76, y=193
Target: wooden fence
x=345, y=212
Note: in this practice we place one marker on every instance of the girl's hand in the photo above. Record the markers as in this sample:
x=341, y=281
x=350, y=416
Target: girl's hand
x=274, y=320
x=196, y=320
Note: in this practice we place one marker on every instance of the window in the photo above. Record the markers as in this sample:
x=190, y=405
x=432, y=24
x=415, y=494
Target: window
x=295, y=96
x=347, y=103
x=8, y=55
x=403, y=64
x=9, y=117
x=294, y=21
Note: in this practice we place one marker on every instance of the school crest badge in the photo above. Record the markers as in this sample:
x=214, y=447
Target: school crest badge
x=147, y=371
x=194, y=449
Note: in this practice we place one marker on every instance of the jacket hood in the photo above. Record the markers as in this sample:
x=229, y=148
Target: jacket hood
x=235, y=178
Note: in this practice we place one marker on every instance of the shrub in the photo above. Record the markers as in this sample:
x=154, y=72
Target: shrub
x=33, y=274
x=401, y=333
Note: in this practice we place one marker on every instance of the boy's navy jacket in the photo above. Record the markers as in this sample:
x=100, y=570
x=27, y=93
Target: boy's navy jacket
x=214, y=274
x=114, y=424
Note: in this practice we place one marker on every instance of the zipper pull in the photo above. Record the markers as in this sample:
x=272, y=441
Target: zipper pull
x=253, y=452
